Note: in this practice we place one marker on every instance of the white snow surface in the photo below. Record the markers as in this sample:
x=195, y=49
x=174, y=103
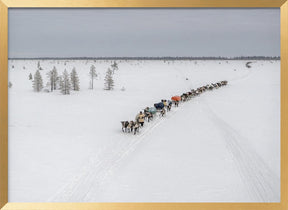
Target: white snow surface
x=222, y=146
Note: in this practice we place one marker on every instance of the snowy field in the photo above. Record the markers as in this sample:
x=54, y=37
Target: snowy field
x=222, y=146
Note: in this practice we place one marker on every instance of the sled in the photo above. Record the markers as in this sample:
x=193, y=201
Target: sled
x=152, y=110
x=176, y=98
x=159, y=105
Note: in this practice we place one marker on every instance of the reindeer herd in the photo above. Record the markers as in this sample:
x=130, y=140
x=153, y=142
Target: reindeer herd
x=164, y=106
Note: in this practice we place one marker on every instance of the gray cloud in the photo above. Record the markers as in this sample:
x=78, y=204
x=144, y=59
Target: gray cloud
x=143, y=32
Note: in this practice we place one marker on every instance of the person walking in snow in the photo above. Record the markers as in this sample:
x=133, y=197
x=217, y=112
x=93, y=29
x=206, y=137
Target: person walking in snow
x=140, y=118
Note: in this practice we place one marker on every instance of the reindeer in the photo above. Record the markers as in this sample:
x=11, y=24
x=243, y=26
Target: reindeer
x=136, y=128
x=176, y=103
x=169, y=106
x=131, y=126
x=184, y=97
x=163, y=112
x=148, y=116
x=224, y=82
x=124, y=125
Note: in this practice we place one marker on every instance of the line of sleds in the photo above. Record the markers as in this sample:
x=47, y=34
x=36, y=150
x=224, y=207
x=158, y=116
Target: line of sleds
x=165, y=106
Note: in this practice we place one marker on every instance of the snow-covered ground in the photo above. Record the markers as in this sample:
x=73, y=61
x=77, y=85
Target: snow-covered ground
x=223, y=146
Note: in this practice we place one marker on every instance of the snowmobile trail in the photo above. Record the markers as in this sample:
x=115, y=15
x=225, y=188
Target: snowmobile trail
x=263, y=185
x=98, y=168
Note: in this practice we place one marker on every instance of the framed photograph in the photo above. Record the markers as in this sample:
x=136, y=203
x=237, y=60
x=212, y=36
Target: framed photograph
x=143, y=104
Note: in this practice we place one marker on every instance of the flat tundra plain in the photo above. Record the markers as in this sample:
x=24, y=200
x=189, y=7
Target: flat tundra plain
x=222, y=146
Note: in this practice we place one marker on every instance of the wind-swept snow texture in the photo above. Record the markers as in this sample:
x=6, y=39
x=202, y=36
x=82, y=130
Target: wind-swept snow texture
x=223, y=146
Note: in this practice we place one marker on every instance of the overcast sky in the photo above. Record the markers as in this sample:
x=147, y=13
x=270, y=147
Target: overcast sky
x=143, y=32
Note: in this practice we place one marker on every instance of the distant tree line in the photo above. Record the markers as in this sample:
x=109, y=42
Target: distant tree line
x=159, y=58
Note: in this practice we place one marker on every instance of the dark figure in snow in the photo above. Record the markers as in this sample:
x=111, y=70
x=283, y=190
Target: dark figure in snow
x=140, y=118
x=124, y=125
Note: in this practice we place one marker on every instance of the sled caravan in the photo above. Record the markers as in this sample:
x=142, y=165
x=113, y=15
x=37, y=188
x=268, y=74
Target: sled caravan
x=149, y=113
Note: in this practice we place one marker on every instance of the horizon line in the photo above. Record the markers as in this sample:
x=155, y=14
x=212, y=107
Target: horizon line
x=147, y=58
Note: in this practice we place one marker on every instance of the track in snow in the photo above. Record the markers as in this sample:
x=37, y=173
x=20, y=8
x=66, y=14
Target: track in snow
x=262, y=183
x=98, y=169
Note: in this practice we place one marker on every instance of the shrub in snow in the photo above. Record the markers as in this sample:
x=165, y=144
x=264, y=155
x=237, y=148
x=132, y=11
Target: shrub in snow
x=114, y=67
x=109, y=82
x=10, y=84
x=30, y=76
x=46, y=90
x=75, y=80
x=65, y=84
x=37, y=82
x=93, y=74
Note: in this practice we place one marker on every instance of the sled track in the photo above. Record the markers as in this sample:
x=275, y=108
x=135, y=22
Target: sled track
x=262, y=183
x=96, y=171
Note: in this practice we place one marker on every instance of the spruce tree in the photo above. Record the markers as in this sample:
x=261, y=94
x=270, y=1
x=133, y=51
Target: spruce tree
x=60, y=82
x=30, y=76
x=93, y=74
x=65, y=84
x=37, y=82
x=75, y=80
x=39, y=66
x=109, y=82
x=53, y=77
